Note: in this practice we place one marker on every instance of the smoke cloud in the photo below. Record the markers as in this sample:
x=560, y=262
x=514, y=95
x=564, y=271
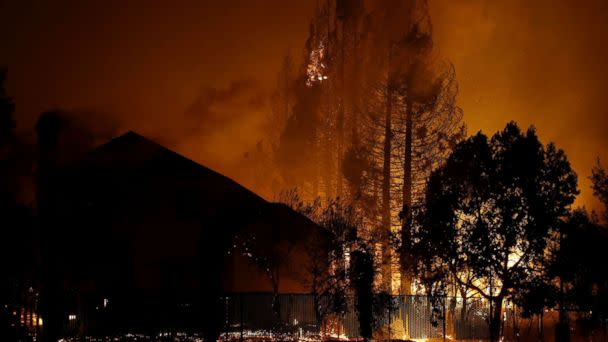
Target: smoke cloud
x=215, y=109
x=151, y=67
x=221, y=124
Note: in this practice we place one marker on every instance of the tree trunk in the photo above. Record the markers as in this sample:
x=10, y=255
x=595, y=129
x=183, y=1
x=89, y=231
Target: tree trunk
x=276, y=305
x=562, y=331
x=386, y=188
x=407, y=197
x=327, y=146
x=464, y=309
x=495, y=318
x=540, y=326
x=341, y=102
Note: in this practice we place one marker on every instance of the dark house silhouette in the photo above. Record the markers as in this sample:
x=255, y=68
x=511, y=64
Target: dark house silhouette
x=145, y=233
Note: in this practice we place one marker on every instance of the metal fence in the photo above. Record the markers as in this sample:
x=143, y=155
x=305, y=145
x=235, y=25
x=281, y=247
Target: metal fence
x=264, y=316
x=300, y=316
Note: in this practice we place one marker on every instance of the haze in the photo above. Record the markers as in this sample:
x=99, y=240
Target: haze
x=196, y=75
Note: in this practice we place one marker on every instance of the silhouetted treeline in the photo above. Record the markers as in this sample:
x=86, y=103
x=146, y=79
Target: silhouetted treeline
x=496, y=223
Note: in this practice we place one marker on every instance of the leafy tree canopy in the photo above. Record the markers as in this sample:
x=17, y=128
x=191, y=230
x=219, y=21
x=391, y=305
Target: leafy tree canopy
x=491, y=211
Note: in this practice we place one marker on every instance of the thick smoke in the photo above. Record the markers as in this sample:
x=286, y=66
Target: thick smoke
x=221, y=125
x=216, y=109
x=538, y=62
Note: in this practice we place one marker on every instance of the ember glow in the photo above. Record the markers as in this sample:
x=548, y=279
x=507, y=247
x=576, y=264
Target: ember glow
x=316, y=67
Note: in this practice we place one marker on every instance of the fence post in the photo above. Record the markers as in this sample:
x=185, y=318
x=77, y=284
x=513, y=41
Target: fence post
x=444, y=316
x=390, y=303
x=241, y=314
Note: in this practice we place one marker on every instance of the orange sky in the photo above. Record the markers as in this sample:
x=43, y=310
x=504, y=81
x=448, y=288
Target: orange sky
x=541, y=63
x=196, y=74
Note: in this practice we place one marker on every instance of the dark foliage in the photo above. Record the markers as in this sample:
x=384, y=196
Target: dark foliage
x=580, y=263
x=362, y=275
x=492, y=210
x=599, y=184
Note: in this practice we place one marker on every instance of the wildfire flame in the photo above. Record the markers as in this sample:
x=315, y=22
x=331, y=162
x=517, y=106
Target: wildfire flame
x=316, y=67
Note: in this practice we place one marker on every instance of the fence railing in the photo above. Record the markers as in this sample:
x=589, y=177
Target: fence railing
x=303, y=315
x=264, y=316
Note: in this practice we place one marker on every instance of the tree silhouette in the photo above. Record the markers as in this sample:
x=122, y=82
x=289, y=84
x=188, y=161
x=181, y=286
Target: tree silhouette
x=330, y=274
x=492, y=209
x=599, y=184
x=579, y=264
x=362, y=273
x=341, y=263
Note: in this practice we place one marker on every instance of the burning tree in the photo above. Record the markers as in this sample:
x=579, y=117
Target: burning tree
x=373, y=113
x=412, y=123
x=329, y=72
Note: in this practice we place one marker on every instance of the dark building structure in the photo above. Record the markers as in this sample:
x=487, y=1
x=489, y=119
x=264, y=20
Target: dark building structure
x=138, y=236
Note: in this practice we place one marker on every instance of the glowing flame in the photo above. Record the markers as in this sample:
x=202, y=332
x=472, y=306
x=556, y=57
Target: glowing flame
x=316, y=67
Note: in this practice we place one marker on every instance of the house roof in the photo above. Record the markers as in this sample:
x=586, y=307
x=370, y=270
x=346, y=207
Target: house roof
x=132, y=153
x=133, y=187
